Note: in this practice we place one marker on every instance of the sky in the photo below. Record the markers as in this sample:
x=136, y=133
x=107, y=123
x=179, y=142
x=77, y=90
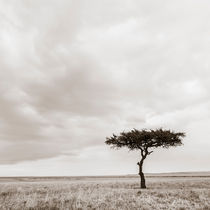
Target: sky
x=74, y=72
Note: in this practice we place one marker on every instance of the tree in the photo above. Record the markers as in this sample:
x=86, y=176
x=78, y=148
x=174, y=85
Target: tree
x=145, y=141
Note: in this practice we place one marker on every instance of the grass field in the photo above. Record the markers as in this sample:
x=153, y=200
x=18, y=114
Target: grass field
x=163, y=192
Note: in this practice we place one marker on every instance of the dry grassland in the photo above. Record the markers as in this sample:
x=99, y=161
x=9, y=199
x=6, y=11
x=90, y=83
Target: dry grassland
x=105, y=193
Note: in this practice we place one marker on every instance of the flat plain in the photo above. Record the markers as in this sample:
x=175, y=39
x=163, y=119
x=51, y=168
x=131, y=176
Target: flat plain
x=164, y=191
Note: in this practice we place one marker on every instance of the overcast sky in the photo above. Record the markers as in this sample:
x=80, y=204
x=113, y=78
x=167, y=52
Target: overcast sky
x=74, y=72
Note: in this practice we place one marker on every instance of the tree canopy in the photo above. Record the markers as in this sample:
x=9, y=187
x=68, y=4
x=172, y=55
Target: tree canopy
x=144, y=139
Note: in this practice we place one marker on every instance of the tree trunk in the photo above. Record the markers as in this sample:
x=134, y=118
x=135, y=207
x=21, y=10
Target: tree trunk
x=141, y=174
x=143, y=183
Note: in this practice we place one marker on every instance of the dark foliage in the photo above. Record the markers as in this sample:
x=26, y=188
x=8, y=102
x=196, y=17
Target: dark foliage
x=144, y=139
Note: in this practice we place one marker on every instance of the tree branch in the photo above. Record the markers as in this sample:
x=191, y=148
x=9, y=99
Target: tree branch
x=150, y=152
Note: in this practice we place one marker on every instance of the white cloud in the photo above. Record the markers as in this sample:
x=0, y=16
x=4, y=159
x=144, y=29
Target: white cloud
x=74, y=72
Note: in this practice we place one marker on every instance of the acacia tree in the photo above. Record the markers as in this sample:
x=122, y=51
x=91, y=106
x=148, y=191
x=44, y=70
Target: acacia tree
x=145, y=141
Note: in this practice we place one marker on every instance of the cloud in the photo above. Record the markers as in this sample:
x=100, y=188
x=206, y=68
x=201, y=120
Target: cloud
x=75, y=72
